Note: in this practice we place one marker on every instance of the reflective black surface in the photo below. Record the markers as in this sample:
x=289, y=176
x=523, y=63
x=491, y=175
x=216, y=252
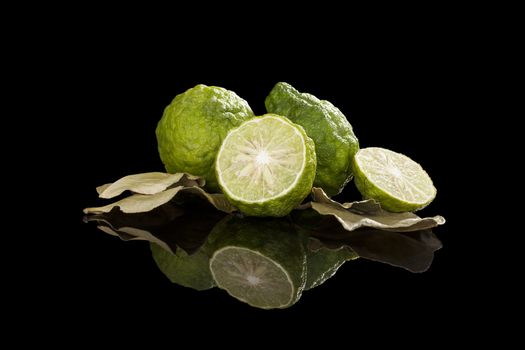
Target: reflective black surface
x=184, y=225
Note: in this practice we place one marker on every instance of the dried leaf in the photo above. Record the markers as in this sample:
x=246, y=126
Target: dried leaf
x=148, y=183
x=140, y=203
x=369, y=213
x=102, y=188
x=413, y=251
x=135, y=234
x=170, y=226
x=218, y=200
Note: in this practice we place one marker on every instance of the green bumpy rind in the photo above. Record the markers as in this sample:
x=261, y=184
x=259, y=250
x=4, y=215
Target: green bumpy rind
x=370, y=191
x=324, y=263
x=192, y=271
x=335, y=142
x=193, y=126
x=283, y=205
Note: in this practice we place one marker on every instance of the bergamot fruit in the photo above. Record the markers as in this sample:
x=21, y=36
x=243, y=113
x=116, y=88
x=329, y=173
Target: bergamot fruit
x=324, y=263
x=397, y=182
x=335, y=142
x=190, y=271
x=259, y=262
x=266, y=166
x=193, y=126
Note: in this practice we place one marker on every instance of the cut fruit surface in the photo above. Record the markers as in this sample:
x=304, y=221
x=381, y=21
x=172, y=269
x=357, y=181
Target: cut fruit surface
x=394, y=180
x=261, y=262
x=252, y=277
x=266, y=166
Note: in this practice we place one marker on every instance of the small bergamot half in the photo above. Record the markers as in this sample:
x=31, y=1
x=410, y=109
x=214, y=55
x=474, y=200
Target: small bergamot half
x=397, y=182
x=266, y=166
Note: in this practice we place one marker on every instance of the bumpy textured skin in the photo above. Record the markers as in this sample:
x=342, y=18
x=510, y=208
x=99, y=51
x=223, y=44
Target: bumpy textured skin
x=324, y=263
x=192, y=271
x=369, y=190
x=273, y=238
x=283, y=205
x=193, y=126
x=333, y=135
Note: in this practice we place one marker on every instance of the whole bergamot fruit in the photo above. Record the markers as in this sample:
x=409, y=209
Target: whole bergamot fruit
x=193, y=126
x=335, y=142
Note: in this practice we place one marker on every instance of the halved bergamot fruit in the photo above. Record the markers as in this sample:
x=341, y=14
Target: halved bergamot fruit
x=397, y=182
x=261, y=262
x=266, y=166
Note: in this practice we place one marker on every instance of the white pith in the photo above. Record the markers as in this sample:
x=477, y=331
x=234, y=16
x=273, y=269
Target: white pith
x=253, y=280
x=260, y=159
x=263, y=158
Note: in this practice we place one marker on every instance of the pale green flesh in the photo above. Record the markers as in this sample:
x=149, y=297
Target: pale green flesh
x=251, y=277
x=396, y=174
x=261, y=160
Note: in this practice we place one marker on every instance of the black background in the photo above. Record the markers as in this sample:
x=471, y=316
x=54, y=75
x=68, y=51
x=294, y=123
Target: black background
x=399, y=91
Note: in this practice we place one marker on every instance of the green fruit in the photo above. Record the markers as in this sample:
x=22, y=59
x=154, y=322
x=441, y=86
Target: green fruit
x=193, y=126
x=266, y=166
x=259, y=262
x=335, y=142
x=397, y=182
x=187, y=270
x=324, y=263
